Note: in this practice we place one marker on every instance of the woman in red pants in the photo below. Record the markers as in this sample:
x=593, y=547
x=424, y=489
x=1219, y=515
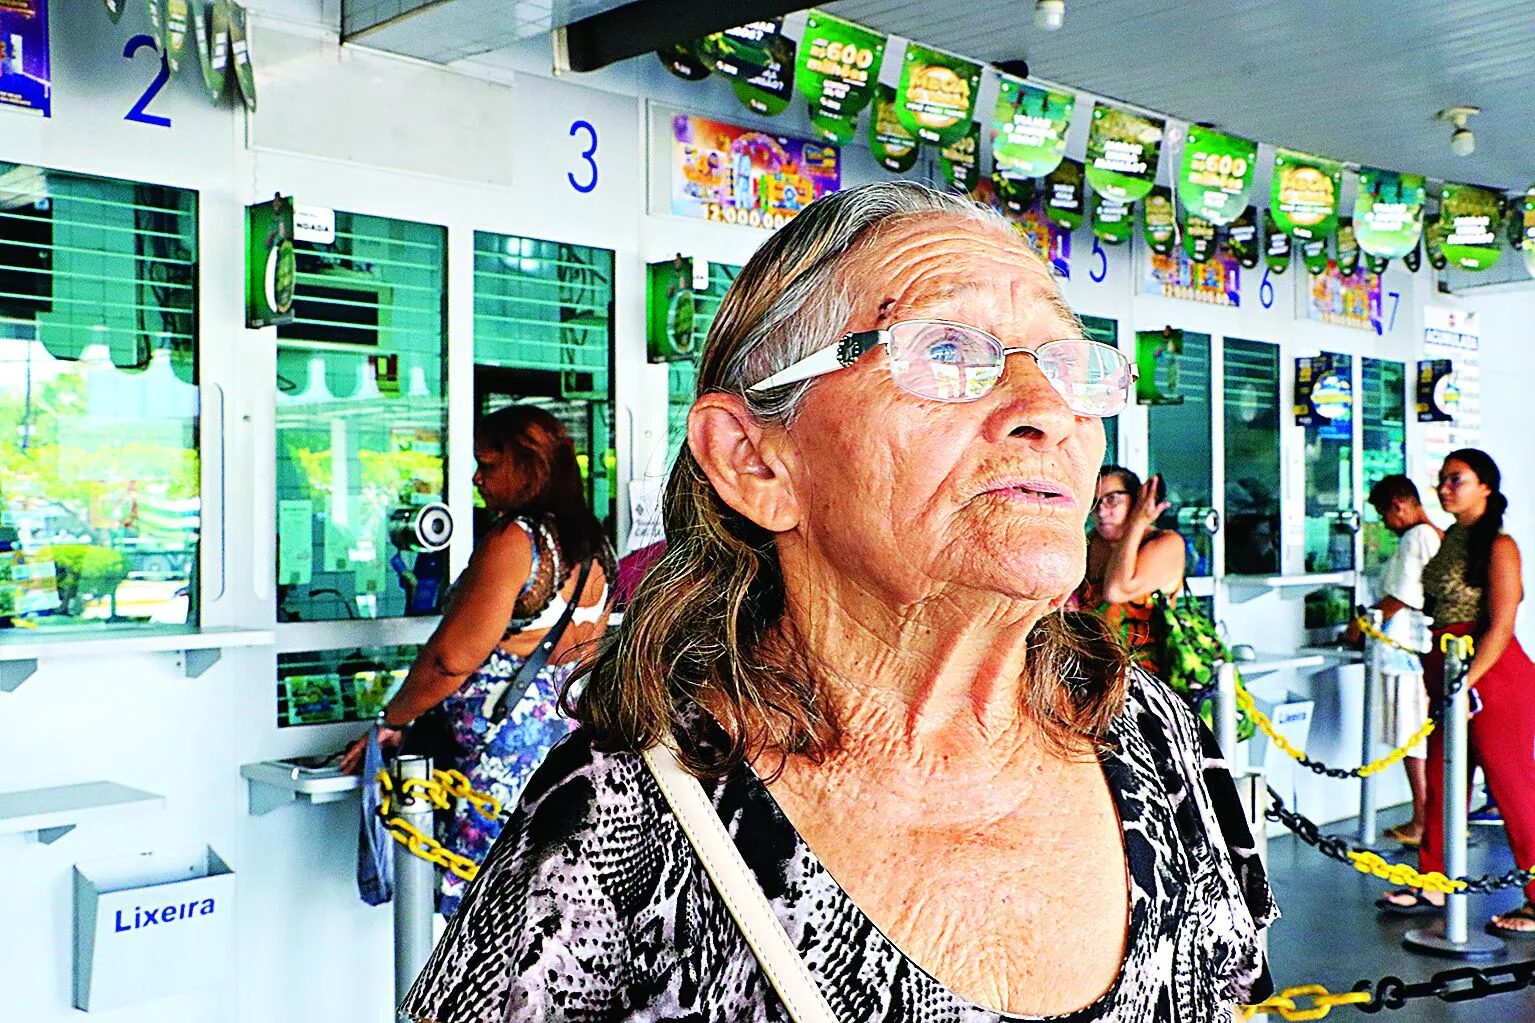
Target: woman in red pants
x=1473, y=588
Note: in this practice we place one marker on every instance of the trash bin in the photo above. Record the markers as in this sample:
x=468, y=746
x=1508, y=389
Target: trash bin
x=151, y=925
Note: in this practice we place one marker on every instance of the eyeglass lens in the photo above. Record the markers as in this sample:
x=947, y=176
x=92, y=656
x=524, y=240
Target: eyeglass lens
x=954, y=362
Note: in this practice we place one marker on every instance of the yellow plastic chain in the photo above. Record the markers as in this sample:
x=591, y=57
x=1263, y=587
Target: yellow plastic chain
x=439, y=790
x=430, y=849
x=1323, y=1001
x=1245, y=701
x=1367, y=627
x=1402, y=874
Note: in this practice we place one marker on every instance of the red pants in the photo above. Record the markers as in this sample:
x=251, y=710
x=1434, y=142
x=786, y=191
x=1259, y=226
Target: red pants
x=1502, y=741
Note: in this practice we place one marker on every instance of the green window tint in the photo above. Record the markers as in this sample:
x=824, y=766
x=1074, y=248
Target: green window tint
x=361, y=421
x=100, y=508
x=1178, y=426
x=319, y=687
x=1101, y=329
x=543, y=335
x=1329, y=540
x=1384, y=422
x=1252, y=457
x=682, y=376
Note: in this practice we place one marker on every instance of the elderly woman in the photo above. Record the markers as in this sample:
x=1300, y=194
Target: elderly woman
x=952, y=801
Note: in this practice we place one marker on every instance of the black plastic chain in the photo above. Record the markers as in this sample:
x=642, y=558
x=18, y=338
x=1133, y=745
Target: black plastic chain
x=1335, y=848
x=1461, y=984
x=1437, y=716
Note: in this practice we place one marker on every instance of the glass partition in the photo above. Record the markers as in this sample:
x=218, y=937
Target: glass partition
x=1175, y=370
x=100, y=510
x=1329, y=461
x=318, y=687
x=361, y=421
x=1251, y=416
x=1100, y=328
x=543, y=335
x=682, y=375
x=1383, y=420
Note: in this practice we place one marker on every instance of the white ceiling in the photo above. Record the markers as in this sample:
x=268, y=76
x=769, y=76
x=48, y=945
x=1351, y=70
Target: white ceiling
x=446, y=31
x=1357, y=80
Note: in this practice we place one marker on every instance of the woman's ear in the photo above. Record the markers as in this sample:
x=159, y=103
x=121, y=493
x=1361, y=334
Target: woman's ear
x=747, y=463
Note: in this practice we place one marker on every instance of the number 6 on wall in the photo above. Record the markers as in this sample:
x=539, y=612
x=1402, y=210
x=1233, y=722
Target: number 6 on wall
x=139, y=113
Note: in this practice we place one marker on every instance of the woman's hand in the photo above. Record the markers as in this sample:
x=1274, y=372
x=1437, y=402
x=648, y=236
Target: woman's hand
x=388, y=741
x=1147, y=509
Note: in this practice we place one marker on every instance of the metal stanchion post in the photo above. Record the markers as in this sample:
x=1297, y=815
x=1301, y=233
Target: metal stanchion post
x=1226, y=711
x=414, y=882
x=1374, y=657
x=1453, y=938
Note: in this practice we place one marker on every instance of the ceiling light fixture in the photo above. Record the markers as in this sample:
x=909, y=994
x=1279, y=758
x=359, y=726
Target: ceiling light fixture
x=1049, y=14
x=1462, y=141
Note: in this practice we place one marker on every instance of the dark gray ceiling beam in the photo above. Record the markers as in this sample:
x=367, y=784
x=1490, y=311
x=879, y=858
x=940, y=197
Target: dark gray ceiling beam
x=646, y=25
x=359, y=17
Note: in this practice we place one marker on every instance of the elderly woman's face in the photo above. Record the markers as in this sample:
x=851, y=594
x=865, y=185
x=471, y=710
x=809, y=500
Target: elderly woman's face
x=908, y=496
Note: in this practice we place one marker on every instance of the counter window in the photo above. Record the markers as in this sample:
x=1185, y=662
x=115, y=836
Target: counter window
x=100, y=508
x=682, y=375
x=326, y=686
x=1101, y=329
x=1178, y=431
x=543, y=335
x=1251, y=412
x=1329, y=468
x=361, y=421
x=1384, y=422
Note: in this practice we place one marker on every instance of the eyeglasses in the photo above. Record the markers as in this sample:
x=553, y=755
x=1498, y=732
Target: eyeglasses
x=1113, y=499
x=948, y=361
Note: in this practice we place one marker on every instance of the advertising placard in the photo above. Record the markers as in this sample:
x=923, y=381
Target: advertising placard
x=1216, y=281
x=1242, y=238
x=1348, y=247
x=1471, y=217
x=936, y=97
x=892, y=145
x=684, y=61
x=1157, y=223
x=1388, y=212
x=1276, y=249
x=734, y=175
x=1345, y=300
x=1438, y=397
x=960, y=161
x=1216, y=175
x=26, y=81
x=1122, y=150
x=1324, y=390
x=270, y=268
x=838, y=65
x=1028, y=134
x=1113, y=222
x=1064, y=195
x=1198, y=236
x=1304, y=197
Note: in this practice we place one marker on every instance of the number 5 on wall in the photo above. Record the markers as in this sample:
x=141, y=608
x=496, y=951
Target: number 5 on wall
x=139, y=112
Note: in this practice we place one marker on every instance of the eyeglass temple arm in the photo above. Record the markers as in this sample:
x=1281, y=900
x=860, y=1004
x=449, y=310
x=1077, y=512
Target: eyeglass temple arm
x=827, y=360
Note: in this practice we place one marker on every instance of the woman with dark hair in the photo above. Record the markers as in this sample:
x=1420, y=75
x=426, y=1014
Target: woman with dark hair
x=846, y=753
x=523, y=575
x=1129, y=559
x=1473, y=587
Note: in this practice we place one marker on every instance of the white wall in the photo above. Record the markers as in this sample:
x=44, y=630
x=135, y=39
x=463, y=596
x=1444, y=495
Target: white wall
x=308, y=949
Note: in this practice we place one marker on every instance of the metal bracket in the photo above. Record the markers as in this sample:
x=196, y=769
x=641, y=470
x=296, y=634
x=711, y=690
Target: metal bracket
x=195, y=662
x=48, y=836
x=14, y=673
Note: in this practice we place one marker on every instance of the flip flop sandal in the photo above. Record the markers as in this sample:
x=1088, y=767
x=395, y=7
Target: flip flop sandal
x=1524, y=912
x=1404, y=836
x=1419, y=906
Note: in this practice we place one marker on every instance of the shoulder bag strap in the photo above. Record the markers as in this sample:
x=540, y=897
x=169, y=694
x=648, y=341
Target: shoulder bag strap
x=539, y=658
x=739, y=890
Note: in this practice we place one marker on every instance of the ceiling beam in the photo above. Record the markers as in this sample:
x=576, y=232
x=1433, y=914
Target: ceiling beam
x=356, y=24
x=646, y=25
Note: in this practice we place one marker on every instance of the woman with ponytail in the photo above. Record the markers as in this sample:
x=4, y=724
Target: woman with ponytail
x=1473, y=588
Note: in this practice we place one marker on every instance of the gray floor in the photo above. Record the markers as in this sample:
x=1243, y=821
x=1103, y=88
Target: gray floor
x=1332, y=934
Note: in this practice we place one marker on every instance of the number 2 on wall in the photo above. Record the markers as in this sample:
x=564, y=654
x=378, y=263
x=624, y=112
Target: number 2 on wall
x=139, y=112
x=589, y=157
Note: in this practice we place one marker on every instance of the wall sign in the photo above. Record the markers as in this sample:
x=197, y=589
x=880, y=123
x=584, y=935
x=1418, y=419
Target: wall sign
x=936, y=97
x=1455, y=334
x=1029, y=126
x=269, y=262
x=1346, y=300
x=734, y=175
x=1438, y=397
x=1324, y=390
x=1217, y=281
x=25, y=77
x=1122, y=150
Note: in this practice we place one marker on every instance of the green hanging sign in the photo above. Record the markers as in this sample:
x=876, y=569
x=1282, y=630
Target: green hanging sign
x=1376, y=264
x=204, y=44
x=1277, y=246
x=156, y=9
x=269, y=262
x=961, y=161
x=1313, y=251
x=1158, y=225
x=936, y=97
x=1065, y=195
x=1388, y=212
x=1028, y=132
x=1198, y=237
x=759, y=60
x=1348, y=248
x=1433, y=241
x=684, y=61
x=1527, y=241
x=838, y=66
x=1472, y=218
x=1015, y=194
x=1217, y=174
x=240, y=55
x=1112, y=221
x=831, y=128
x=115, y=9
x=177, y=29
x=1122, y=153
x=1242, y=238
x=892, y=145
x=1414, y=259
x=1305, y=194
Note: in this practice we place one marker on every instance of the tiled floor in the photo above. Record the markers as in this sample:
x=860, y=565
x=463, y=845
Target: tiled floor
x=1332, y=934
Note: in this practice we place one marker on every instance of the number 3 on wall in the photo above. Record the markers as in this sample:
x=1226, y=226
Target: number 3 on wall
x=589, y=157
x=139, y=112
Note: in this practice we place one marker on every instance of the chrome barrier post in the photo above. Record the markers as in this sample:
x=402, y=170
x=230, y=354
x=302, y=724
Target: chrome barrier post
x=1453, y=939
x=415, y=881
x=1374, y=658
x=1226, y=712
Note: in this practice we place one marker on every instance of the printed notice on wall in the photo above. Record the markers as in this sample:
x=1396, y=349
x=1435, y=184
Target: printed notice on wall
x=1455, y=334
x=735, y=175
x=25, y=81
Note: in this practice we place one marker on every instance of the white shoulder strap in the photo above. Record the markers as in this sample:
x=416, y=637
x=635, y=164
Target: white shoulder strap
x=739, y=889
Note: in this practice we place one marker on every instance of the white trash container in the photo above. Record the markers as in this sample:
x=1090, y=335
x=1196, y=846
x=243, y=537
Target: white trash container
x=151, y=925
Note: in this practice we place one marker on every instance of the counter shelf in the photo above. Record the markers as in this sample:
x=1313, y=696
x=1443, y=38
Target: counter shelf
x=54, y=812
x=200, y=649
x=274, y=783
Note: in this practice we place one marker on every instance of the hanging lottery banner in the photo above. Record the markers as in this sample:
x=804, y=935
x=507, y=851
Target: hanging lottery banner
x=1157, y=221
x=1313, y=252
x=1527, y=237
x=1028, y=132
x=838, y=67
x=1472, y=218
x=1348, y=248
x=936, y=97
x=961, y=161
x=1376, y=264
x=1304, y=196
x=1388, y=212
x=1064, y=195
x=1242, y=238
x=1414, y=259
x=115, y=9
x=26, y=80
x=759, y=60
x=1433, y=241
x=1122, y=152
x=1277, y=246
x=1112, y=221
x=177, y=31
x=684, y=61
x=240, y=54
x=892, y=145
x=1198, y=236
x=1217, y=174
x=1016, y=195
